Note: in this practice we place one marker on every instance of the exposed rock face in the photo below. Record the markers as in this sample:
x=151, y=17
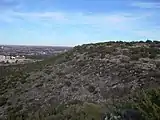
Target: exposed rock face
x=88, y=73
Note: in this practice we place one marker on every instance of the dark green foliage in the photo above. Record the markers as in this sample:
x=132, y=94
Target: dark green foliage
x=153, y=55
x=131, y=114
x=135, y=57
x=86, y=111
x=91, y=88
x=146, y=102
x=119, y=41
x=47, y=71
x=128, y=44
x=148, y=41
x=36, y=57
x=141, y=41
x=144, y=52
x=155, y=74
x=68, y=83
x=149, y=104
x=3, y=100
x=156, y=41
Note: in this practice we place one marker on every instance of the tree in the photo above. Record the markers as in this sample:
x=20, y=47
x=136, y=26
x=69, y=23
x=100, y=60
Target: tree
x=148, y=41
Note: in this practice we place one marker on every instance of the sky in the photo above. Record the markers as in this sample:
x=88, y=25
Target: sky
x=76, y=22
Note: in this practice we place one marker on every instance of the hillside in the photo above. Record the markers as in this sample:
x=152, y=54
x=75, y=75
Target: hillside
x=87, y=78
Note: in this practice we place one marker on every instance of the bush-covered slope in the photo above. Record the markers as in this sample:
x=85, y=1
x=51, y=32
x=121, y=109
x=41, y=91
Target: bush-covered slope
x=84, y=83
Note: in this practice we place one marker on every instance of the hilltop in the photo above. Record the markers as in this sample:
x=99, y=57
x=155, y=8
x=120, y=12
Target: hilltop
x=83, y=78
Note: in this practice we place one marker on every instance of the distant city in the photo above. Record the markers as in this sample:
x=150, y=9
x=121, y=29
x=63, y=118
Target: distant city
x=15, y=53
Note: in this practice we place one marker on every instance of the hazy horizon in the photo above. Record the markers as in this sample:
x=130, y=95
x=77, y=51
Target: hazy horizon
x=34, y=45
x=71, y=23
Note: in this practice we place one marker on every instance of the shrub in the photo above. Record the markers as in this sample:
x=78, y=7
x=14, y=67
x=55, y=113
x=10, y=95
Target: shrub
x=149, y=104
x=68, y=83
x=148, y=41
x=146, y=102
x=153, y=55
x=3, y=100
x=128, y=44
x=135, y=57
x=48, y=71
x=91, y=88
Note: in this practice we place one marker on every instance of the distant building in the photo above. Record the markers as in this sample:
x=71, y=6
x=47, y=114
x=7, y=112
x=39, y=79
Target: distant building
x=7, y=57
x=12, y=57
x=2, y=57
x=20, y=57
x=2, y=47
x=43, y=53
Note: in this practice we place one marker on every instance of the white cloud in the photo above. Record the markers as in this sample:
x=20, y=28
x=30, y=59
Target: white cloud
x=97, y=23
x=120, y=19
x=146, y=4
x=40, y=15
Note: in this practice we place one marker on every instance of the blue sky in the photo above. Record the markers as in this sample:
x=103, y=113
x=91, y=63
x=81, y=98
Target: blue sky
x=73, y=22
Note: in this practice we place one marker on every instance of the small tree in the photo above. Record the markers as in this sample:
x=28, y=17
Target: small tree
x=148, y=41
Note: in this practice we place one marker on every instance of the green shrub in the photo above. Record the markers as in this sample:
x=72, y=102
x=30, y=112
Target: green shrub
x=135, y=57
x=3, y=100
x=148, y=41
x=149, y=104
x=146, y=102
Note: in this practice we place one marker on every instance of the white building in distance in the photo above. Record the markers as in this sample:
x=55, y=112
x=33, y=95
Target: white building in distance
x=2, y=57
